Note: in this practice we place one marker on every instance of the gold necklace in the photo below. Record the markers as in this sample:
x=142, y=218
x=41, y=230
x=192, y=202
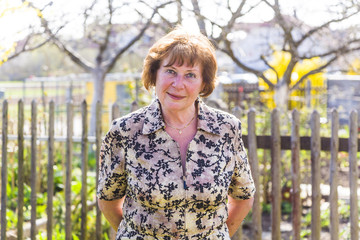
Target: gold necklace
x=180, y=129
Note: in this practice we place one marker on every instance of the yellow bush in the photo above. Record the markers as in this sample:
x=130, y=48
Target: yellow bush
x=280, y=63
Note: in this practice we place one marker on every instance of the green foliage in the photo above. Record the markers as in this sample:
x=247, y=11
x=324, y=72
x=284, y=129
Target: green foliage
x=344, y=209
x=263, y=127
x=59, y=194
x=266, y=208
x=286, y=207
x=305, y=233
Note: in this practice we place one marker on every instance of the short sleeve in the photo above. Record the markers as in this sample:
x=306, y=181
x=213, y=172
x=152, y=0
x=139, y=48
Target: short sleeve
x=242, y=184
x=112, y=181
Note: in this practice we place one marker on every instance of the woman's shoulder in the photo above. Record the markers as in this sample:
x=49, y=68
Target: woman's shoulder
x=218, y=115
x=130, y=122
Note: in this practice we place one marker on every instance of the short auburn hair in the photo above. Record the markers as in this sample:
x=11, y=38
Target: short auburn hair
x=182, y=47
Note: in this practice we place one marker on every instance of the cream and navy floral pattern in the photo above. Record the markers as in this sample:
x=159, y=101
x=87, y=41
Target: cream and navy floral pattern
x=140, y=160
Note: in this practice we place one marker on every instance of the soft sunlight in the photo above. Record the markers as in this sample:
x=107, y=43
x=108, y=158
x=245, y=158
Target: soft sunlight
x=16, y=20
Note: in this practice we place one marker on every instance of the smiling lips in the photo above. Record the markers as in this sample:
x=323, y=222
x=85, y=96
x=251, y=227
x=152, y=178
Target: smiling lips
x=175, y=97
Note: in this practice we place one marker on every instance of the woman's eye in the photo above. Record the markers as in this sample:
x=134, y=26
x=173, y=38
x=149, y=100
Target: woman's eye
x=170, y=71
x=191, y=75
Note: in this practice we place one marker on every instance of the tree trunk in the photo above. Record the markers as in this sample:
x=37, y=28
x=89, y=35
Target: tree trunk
x=198, y=16
x=281, y=95
x=98, y=96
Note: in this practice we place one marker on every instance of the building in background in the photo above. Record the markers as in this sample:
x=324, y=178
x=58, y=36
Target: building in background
x=343, y=94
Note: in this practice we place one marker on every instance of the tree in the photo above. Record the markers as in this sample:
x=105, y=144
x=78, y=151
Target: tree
x=354, y=68
x=9, y=48
x=330, y=40
x=280, y=61
x=99, y=28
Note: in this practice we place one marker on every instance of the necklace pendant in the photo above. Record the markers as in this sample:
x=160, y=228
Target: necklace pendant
x=180, y=132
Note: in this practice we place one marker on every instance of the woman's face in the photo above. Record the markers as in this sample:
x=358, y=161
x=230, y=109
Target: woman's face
x=177, y=87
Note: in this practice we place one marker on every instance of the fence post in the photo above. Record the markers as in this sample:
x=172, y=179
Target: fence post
x=4, y=168
x=50, y=167
x=97, y=152
x=254, y=163
x=239, y=233
x=69, y=151
x=315, y=176
x=275, y=175
x=84, y=169
x=33, y=169
x=353, y=146
x=134, y=106
x=333, y=199
x=115, y=113
x=20, y=231
x=295, y=173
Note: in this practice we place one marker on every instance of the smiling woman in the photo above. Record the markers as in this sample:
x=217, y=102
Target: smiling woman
x=176, y=169
x=177, y=87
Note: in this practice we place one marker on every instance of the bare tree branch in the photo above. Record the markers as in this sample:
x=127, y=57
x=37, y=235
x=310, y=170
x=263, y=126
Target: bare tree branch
x=27, y=48
x=312, y=72
x=75, y=57
x=321, y=27
x=179, y=10
x=258, y=73
x=198, y=16
x=80, y=61
x=111, y=62
x=271, y=67
x=344, y=49
x=86, y=16
x=166, y=21
x=105, y=43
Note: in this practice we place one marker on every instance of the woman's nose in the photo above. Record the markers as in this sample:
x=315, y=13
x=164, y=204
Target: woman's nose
x=178, y=81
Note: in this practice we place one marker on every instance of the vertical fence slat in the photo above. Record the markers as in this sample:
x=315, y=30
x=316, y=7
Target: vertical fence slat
x=238, y=235
x=237, y=112
x=353, y=146
x=69, y=150
x=254, y=163
x=315, y=176
x=4, y=168
x=20, y=231
x=333, y=199
x=84, y=169
x=295, y=173
x=115, y=113
x=50, y=167
x=239, y=232
x=134, y=106
x=98, y=145
x=33, y=177
x=275, y=175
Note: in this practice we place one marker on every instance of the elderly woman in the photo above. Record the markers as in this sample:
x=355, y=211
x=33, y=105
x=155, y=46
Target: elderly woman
x=176, y=169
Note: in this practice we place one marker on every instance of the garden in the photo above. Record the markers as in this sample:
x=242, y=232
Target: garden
x=263, y=127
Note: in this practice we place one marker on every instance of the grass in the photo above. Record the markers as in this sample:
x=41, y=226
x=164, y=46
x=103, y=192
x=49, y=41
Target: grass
x=16, y=89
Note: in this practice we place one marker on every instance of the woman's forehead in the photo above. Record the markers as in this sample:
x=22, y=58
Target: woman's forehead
x=173, y=60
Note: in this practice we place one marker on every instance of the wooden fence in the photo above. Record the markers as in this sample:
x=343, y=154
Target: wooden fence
x=275, y=142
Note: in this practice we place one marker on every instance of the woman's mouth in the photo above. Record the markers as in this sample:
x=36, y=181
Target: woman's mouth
x=175, y=97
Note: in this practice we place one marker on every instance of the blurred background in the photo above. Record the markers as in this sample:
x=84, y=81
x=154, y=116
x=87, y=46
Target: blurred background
x=284, y=54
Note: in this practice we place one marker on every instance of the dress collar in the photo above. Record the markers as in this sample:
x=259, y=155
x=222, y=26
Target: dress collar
x=154, y=120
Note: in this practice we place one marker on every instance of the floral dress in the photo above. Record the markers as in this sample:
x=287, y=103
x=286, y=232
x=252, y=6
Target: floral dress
x=140, y=160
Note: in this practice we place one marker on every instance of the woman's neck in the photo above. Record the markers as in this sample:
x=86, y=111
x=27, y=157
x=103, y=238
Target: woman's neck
x=179, y=118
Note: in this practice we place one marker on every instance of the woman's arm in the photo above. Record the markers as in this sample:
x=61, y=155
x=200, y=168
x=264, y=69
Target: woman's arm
x=238, y=209
x=112, y=211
